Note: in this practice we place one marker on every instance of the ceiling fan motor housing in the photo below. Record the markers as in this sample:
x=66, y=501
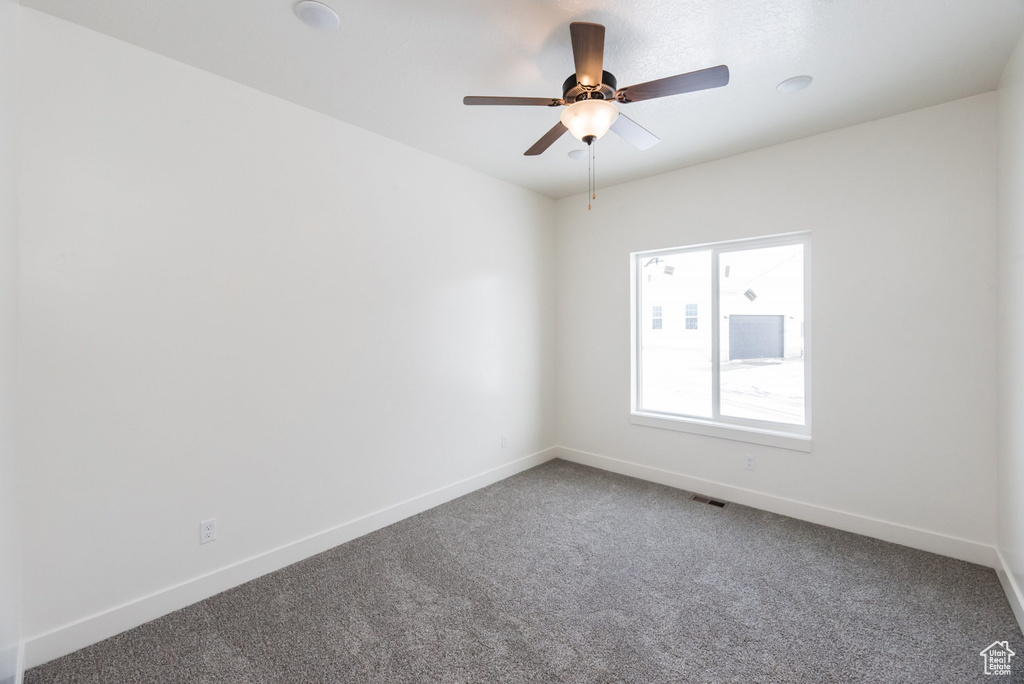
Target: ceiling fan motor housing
x=574, y=91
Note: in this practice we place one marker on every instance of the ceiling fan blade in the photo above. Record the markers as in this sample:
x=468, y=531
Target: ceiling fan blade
x=546, y=140
x=633, y=133
x=714, y=77
x=522, y=101
x=588, y=51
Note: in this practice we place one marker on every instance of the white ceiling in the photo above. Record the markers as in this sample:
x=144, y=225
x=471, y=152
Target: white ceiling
x=401, y=67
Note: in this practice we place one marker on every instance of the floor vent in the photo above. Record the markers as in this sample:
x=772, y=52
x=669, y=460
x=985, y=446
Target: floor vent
x=700, y=498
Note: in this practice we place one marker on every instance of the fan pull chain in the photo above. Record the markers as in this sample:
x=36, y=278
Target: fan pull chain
x=591, y=173
x=594, y=189
x=590, y=166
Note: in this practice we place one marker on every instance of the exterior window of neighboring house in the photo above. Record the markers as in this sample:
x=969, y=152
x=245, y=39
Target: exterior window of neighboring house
x=691, y=316
x=744, y=371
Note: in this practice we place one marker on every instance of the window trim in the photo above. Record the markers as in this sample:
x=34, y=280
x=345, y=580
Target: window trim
x=796, y=437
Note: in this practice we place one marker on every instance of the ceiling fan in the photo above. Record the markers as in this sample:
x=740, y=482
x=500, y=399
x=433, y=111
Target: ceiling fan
x=587, y=95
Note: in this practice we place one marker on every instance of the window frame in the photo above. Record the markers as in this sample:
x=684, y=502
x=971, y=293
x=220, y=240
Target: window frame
x=783, y=435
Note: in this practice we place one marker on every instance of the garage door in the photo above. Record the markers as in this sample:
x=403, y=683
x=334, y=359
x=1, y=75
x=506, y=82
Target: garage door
x=755, y=337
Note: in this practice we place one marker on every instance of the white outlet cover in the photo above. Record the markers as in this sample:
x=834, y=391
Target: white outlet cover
x=208, y=531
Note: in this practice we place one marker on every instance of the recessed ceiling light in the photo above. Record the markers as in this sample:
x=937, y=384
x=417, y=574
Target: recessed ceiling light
x=795, y=84
x=317, y=15
x=578, y=154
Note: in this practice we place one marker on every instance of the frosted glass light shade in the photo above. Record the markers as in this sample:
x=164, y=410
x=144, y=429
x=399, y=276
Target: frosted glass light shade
x=589, y=118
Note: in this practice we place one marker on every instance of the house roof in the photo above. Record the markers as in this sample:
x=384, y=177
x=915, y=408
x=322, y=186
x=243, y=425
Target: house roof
x=1001, y=645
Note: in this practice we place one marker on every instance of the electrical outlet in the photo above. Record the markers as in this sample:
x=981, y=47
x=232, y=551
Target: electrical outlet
x=208, y=531
x=750, y=462
x=504, y=441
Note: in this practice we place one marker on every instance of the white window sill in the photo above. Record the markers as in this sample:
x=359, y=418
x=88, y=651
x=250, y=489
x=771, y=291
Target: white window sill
x=739, y=433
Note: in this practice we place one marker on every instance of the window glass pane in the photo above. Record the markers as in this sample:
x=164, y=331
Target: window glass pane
x=675, y=366
x=761, y=301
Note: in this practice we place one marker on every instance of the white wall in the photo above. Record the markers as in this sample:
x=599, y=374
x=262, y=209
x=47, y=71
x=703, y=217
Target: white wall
x=902, y=214
x=1011, y=326
x=237, y=308
x=10, y=532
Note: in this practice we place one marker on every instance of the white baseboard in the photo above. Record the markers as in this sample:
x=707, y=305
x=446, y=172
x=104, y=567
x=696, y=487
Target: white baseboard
x=81, y=633
x=935, y=542
x=1013, y=591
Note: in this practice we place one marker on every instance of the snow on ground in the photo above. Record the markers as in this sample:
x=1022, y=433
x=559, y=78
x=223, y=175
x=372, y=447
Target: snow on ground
x=679, y=381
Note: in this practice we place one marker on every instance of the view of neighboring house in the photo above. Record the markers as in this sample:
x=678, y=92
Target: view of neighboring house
x=761, y=337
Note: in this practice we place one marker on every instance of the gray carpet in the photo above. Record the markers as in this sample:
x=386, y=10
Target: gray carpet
x=569, y=574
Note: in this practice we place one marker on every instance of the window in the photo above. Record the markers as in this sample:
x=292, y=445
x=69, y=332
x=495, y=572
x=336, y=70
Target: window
x=743, y=372
x=691, y=316
x=656, y=318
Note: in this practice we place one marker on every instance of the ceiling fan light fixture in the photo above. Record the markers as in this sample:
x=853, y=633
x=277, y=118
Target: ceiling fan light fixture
x=317, y=15
x=589, y=120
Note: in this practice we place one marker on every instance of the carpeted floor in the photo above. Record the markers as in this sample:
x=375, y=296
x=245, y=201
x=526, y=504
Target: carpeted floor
x=569, y=574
